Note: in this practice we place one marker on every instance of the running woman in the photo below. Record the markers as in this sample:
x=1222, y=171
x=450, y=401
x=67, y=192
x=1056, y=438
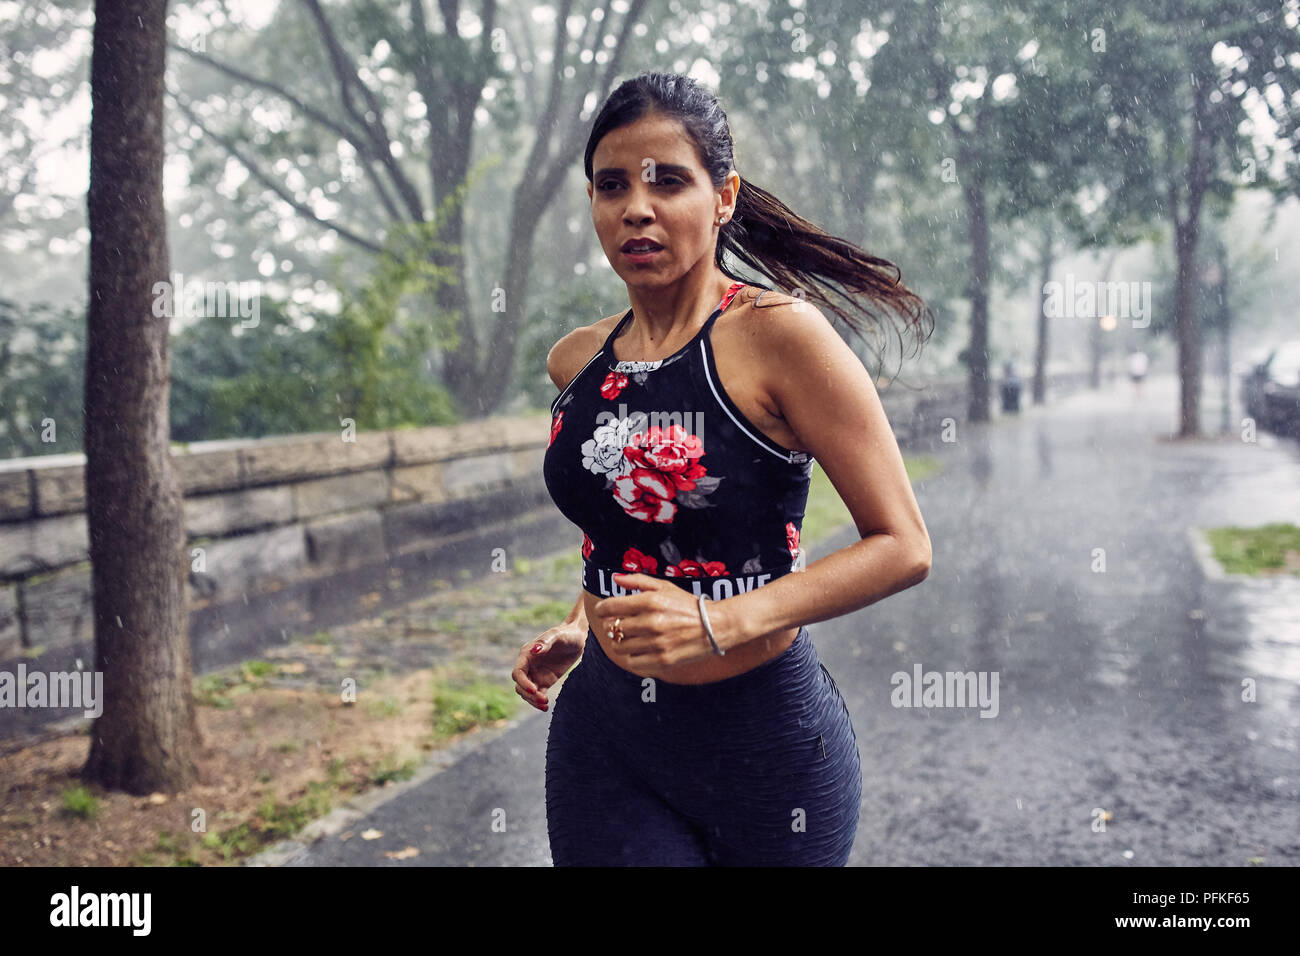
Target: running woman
x=698, y=726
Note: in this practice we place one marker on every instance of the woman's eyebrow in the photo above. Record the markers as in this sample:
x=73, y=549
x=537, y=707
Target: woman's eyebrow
x=664, y=168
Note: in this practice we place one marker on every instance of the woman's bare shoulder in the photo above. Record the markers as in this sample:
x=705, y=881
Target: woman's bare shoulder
x=574, y=350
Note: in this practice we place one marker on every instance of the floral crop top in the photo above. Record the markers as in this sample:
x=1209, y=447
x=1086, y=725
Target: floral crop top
x=666, y=476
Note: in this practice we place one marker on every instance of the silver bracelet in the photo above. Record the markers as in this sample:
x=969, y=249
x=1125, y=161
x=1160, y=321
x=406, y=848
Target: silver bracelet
x=708, y=629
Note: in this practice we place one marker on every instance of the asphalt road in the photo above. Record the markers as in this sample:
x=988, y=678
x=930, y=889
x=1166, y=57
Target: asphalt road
x=1120, y=691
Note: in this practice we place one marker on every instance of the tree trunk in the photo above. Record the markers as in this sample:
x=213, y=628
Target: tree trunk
x=977, y=353
x=1188, y=330
x=1040, y=349
x=1096, y=343
x=1225, y=333
x=145, y=738
x=1187, y=230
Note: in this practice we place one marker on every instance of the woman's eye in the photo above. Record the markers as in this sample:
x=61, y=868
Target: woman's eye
x=665, y=181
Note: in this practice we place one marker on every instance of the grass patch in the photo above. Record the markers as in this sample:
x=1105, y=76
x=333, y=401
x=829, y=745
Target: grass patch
x=569, y=561
x=320, y=637
x=388, y=707
x=79, y=802
x=1269, y=548
x=389, y=770
x=826, y=512
x=273, y=821
x=543, y=614
x=460, y=708
x=217, y=689
x=920, y=467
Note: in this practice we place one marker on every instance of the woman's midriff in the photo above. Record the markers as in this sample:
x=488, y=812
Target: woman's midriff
x=703, y=671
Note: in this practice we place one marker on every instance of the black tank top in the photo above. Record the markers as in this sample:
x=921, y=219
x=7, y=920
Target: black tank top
x=666, y=476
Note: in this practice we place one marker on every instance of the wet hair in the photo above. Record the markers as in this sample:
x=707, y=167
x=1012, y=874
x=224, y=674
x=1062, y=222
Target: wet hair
x=764, y=233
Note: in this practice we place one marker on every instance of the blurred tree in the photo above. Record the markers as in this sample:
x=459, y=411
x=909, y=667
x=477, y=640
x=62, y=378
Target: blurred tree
x=996, y=104
x=42, y=371
x=388, y=67
x=1181, y=77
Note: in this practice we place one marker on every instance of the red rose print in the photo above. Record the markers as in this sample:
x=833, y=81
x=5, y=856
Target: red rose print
x=686, y=568
x=556, y=424
x=614, y=383
x=662, y=462
x=792, y=539
x=673, y=452
x=587, y=546
x=645, y=495
x=634, y=562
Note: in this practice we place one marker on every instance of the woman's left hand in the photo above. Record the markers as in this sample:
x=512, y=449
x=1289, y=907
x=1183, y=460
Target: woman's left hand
x=661, y=625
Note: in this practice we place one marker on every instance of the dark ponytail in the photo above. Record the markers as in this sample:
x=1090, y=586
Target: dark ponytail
x=764, y=233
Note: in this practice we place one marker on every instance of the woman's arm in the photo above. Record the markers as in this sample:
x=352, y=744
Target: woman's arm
x=828, y=399
x=579, y=613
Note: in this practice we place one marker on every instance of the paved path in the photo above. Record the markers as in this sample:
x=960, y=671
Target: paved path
x=1119, y=691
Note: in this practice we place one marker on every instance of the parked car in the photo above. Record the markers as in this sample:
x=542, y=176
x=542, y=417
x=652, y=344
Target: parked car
x=1251, y=371
x=1274, y=390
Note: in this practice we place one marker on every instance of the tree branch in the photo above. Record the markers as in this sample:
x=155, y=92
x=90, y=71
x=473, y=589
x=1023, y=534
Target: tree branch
x=276, y=187
x=364, y=150
x=347, y=76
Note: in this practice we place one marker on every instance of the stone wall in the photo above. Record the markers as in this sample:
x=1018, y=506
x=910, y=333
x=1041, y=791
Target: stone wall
x=260, y=513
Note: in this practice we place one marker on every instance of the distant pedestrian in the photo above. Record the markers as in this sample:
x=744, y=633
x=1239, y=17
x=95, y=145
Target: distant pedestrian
x=1010, y=387
x=1137, y=370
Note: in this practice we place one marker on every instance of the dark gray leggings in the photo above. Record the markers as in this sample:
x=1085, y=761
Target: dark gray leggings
x=761, y=769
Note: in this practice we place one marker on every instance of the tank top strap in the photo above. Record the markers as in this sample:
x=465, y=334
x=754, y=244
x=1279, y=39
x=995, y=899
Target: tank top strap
x=722, y=306
x=618, y=328
x=731, y=294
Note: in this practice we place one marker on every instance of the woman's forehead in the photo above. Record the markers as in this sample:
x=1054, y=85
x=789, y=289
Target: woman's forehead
x=658, y=138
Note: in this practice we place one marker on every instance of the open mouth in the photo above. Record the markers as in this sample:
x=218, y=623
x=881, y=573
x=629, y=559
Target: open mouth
x=636, y=246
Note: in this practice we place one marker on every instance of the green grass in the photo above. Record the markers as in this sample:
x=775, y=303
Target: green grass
x=826, y=512
x=1254, y=550
x=569, y=561
x=389, y=770
x=388, y=707
x=320, y=637
x=921, y=466
x=216, y=690
x=542, y=614
x=457, y=709
x=275, y=821
x=79, y=802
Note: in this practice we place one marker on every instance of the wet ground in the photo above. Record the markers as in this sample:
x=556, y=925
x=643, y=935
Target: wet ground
x=1148, y=712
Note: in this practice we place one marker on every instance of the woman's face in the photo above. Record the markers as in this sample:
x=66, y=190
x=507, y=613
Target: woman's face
x=648, y=182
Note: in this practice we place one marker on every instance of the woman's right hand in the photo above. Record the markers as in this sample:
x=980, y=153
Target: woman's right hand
x=545, y=660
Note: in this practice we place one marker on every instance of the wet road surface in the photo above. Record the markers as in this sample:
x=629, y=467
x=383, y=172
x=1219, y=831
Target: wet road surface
x=1119, y=691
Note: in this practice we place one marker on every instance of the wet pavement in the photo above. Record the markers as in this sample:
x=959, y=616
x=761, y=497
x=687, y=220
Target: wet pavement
x=1063, y=563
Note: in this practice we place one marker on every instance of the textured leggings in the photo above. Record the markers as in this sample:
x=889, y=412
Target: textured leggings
x=760, y=769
